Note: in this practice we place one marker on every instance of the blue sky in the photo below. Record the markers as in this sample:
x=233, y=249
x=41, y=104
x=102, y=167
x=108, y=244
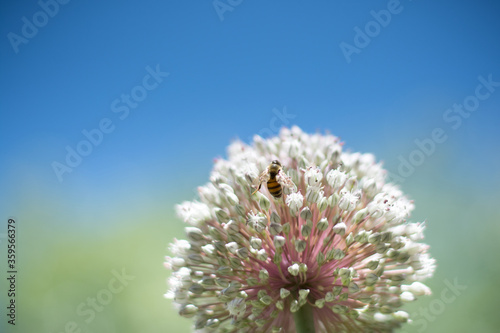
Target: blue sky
x=96, y=71
x=225, y=79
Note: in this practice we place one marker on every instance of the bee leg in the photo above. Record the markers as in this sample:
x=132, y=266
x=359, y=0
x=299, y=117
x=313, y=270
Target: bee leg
x=257, y=189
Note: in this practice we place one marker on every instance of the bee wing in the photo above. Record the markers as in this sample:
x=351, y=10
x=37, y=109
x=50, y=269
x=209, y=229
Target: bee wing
x=286, y=181
x=263, y=177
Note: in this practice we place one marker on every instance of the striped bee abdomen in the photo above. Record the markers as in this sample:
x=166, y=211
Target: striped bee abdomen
x=274, y=187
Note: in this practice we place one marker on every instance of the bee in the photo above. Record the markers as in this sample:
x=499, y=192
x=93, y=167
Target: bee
x=275, y=178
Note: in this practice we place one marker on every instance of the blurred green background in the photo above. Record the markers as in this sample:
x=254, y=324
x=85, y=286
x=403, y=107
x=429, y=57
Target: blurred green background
x=233, y=73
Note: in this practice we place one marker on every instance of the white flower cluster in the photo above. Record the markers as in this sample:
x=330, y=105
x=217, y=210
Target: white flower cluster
x=338, y=243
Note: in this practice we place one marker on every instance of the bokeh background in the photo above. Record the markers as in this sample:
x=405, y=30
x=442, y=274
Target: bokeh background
x=235, y=68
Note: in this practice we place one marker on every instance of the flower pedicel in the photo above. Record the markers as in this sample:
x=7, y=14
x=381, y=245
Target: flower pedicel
x=333, y=254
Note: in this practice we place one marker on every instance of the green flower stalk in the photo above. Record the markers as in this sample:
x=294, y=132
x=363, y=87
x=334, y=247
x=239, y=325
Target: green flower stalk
x=334, y=253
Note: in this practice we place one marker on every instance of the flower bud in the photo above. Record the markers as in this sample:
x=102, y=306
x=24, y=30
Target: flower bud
x=232, y=247
x=353, y=288
x=303, y=293
x=320, y=303
x=360, y=215
x=333, y=199
x=242, y=253
x=336, y=179
x=322, y=224
x=279, y=241
x=313, y=194
x=221, y=216
x=407, y=296
x=339, y=228
x=275, y=228
x=294, y=269
x=313, y=176
x=286, y=228
x=417, y=288
x=255, y=243
x=264, y=202
x=300, y=245
x=188, y=310
x=322, y=204
x=294, y=306
x=294, y=201
x=194, y=234
x=305, y=230
x=275, y=218
x=263, y=274
x=306, y=214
